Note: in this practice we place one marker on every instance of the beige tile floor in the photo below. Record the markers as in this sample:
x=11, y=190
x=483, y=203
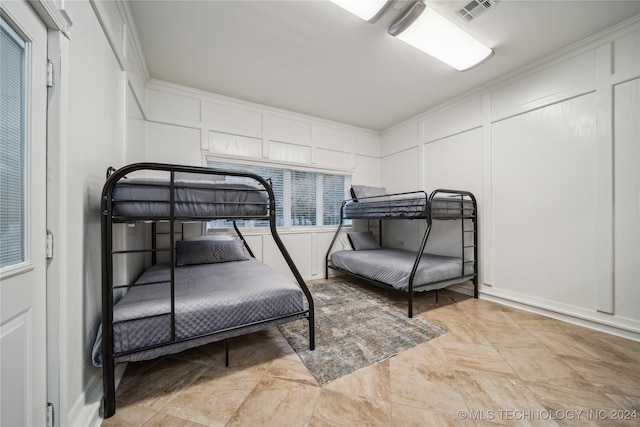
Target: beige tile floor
x=496, y=366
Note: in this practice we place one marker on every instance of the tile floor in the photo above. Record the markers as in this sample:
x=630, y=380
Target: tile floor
x=496, y=366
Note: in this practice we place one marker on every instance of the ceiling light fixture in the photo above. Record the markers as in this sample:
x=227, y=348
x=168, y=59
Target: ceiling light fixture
x=425, y=29
x=368, y=10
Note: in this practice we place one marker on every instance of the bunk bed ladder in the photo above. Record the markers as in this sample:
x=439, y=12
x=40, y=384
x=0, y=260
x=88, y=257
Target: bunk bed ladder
x=474, y=245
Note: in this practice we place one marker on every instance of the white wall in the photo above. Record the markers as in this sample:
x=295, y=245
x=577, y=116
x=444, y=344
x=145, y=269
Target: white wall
x=552, y=153
x=99, y=123
x=187, y=126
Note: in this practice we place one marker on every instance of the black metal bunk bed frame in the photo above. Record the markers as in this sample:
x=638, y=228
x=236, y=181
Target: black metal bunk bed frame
x=456, y=213
x=108, y=288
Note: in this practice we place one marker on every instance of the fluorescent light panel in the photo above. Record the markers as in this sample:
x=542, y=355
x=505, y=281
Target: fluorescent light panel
x=445, y=41
x=365, y=9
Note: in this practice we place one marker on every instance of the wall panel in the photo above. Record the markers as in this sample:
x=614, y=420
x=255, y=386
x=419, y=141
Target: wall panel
x=245, y=122
x=173, y=144
x=331, y=138
x=454, y=162
x=281, y=128
x=399, y=171
x=135, y=74
x=136, y=128
x=531, y=90
x=626, y=54
x=543, y=205
x=366, y=170
x=333, y=159
x=366, y=145
x=627, y=198
x=235, y=145
x=172, y=105
x=289, y=153
x=399, y=139
x=462, y=117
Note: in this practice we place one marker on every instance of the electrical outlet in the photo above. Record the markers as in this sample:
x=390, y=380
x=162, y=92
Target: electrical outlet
x=401, y=243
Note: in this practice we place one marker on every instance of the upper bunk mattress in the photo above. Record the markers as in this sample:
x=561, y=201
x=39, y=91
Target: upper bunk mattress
x=150, y=198
x=393, y=267
x=208, y=298
x=409, y=206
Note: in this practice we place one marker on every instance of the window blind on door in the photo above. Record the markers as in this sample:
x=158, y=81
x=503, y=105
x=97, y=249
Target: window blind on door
x=12, y=150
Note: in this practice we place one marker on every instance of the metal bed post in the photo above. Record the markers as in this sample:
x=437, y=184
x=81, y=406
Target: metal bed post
x=474, y=220
x=244, y=242
x=172, y=239
x=335, y=236
x=423, y=244
x=154, y=243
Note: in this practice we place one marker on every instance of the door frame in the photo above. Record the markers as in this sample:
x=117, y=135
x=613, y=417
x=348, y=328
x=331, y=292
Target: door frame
x=58, y=35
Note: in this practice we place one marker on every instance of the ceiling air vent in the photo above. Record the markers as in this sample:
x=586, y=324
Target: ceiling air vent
x=474, y=9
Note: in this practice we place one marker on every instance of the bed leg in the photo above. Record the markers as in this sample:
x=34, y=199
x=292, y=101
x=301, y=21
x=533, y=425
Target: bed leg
x=108, y=408
x=436, y=295
x=312, y=333
x=226, y=352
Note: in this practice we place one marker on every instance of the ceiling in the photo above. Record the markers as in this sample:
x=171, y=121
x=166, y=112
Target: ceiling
x=312, y=57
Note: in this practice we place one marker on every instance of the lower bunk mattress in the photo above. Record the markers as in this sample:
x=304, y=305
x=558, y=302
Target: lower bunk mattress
x=393, y=267
x=208, y=298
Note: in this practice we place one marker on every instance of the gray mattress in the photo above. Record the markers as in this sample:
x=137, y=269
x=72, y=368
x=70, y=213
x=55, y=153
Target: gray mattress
x=393, y=267
x=408, y=206
x=150, y=198
x=209, y=298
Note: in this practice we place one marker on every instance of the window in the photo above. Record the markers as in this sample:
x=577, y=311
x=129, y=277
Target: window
x=12, y=148
x=303, y=198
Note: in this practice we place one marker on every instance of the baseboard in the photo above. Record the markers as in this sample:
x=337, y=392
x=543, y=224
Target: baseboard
x=86, y=410
x=622, y=327
x=462, y=288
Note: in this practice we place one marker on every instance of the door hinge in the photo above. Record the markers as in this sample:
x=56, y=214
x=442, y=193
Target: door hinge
x=49, y=73
x=50, y=415
x=49, y=244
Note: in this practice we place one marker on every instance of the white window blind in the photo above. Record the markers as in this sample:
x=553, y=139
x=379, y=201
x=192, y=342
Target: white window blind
x=333, y=185
x=12, y=147
x=303, y=198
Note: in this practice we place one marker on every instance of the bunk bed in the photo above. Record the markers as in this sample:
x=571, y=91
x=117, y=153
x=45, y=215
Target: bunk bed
x=401, y=270
x=210, y=289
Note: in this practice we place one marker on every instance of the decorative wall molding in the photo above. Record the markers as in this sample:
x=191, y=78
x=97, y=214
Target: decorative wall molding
x=626, y=328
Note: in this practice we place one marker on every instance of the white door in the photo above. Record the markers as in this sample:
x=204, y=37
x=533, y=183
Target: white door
x=23, y=97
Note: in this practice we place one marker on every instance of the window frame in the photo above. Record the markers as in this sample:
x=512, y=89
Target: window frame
x=285, y=167
x=25, y=264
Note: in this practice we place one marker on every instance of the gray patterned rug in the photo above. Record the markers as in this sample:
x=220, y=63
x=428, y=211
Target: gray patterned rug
x=353, y=330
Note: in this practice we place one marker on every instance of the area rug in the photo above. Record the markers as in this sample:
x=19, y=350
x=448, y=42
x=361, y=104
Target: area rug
x=353, y=330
